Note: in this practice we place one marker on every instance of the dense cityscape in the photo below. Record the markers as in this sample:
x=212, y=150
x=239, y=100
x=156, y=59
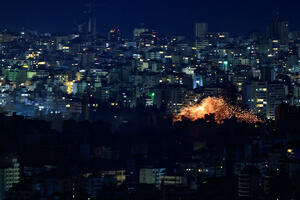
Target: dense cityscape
x=87, y=116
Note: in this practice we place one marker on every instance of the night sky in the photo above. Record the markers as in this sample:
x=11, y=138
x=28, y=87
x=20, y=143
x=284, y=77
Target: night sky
x=164, y=16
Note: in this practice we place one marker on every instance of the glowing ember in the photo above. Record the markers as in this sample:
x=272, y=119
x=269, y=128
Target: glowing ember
x=217, y=107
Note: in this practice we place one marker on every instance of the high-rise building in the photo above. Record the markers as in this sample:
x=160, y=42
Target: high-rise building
x=198, y=78
x=138, y=31
x=92, y=24
x=267, y=74
x=277, y=93
x=9, y=174
x=201, y=30
x=278, y=29
x=114, y=35
x=255, y=95
x=169, y=96
x=248, y=183
x=152, y=176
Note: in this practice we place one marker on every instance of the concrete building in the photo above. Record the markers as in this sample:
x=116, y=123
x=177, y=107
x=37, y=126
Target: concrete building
x=153, y=176
x=9, y=174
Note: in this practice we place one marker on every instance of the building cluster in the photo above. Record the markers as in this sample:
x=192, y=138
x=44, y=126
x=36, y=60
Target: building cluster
x=73, y=74
x=135, y=84
x=151, y=158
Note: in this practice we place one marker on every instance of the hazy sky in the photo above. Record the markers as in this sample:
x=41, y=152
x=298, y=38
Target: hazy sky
x=165, y=16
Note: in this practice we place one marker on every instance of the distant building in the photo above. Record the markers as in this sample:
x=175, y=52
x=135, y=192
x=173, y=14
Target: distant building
x=92, y=22
x=285, y=112
x=248, y=183
x=170, y=97
x=254, y=95
x=152, y=176
x=114, y=35
x=118, y=175
x=6, y=38
x=201, y=30
x=267, y=74
x=278, y=29
x=9, y=174
x=175, y=180
x=276, y=95
x=138, y=31
x=92, y=185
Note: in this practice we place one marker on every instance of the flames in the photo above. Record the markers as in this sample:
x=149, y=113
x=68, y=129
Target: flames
x=217, y=107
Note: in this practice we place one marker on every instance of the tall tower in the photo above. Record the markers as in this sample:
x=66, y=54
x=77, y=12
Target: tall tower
x=201, y=30
x=92, y=24
x=278, y=29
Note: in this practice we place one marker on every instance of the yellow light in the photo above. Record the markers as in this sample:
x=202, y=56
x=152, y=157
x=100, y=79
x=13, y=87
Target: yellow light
x=69, y=87
x=78, y=76
x=42, y=63
x=291, y=151
x=68, y=106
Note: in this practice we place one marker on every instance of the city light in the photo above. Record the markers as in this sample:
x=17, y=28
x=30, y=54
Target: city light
x=192, y=110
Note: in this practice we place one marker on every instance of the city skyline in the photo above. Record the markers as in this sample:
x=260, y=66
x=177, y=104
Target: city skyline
x=94, y=105
x=231, y=16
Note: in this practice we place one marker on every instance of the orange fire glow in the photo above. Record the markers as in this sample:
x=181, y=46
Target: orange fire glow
x=217, y=107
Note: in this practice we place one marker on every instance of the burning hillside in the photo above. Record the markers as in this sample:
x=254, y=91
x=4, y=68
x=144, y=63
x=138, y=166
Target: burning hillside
x=217, y=107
